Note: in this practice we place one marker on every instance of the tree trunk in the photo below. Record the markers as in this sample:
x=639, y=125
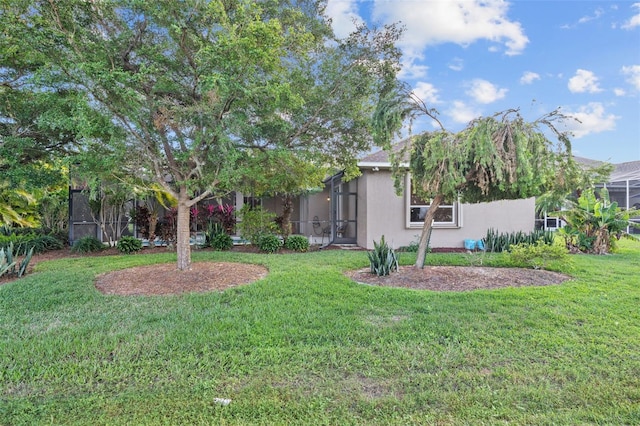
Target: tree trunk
x=426, y=230
x=183, y=248
x=287, y=209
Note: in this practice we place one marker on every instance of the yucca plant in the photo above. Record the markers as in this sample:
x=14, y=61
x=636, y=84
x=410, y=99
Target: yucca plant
x=10, y=266
x=382, y=258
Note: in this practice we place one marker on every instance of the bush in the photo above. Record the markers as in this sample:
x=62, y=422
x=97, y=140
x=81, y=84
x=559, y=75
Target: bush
x=255, y=223
x=297, y=243
x=24, y=242
x=269, y=243
x=128, y=245
x=383, y=260
x=539, y=256
x=87, y=244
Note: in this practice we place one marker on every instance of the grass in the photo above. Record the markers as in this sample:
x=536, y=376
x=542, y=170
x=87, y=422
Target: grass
x=308, y=346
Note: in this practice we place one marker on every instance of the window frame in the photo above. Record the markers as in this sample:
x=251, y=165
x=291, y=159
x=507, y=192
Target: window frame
x=456, y=207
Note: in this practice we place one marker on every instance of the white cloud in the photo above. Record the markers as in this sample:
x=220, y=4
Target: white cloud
x=342, y=14
x=619, y=92
x=584, y=81
x=529, y=77
x=455, y=21
x=592, y=119
x=456, y=64
x=427, y=93
x=485, y=92
x=634, y=21
x=462, y=113
x=633, y=73
x=412, y=68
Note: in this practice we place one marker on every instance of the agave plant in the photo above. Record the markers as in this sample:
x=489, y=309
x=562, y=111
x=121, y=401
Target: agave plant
x=382, y=258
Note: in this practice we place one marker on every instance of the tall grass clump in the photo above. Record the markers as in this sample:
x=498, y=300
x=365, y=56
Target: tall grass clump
x=382, y=259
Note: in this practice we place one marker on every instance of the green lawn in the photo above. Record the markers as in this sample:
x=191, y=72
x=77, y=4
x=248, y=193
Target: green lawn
x=308, y=346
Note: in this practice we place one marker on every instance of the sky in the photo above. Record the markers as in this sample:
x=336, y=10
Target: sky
x=471, y=58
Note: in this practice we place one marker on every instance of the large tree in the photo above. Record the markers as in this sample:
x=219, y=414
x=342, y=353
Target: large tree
x=493, y=158
x=195, y=84
x=326, y=124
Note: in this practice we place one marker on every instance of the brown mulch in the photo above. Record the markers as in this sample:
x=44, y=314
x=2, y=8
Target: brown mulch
x=459, y=278
x=162, y=279
x=165, y=278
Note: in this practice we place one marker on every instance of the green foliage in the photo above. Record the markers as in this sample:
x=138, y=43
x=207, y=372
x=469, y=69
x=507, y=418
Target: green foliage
x=382, y=259
x=87, y=244
x=8, y=263
x=593, y=224
x=23, y=242
x=269, y=243
x=539, y=255
x=498, y=242
x=255, y=222
x=129, y=245
x=297, y=243
x=217, y=238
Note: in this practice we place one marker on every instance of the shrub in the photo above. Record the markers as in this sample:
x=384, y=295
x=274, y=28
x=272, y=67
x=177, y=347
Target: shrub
x=128, y=245
x=297, y=243
x=23, y=242
x=221, y=242
x=269, y=243
x=87, y=244
x=383, y=260
x=539, y=256
x=255, y=223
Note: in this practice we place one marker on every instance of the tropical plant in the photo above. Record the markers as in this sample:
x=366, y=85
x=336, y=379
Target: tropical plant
x=498, y=242
x=217, y=238
x=129, y=245
x=594, y=223
x=8, y=264
x=87, y=244
x=382, y=259
x=297, y=243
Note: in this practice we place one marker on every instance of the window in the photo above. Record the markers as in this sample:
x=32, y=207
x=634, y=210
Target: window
x=446, y=216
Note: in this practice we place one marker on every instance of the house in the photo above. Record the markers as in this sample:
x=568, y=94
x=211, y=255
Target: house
x=362, y=210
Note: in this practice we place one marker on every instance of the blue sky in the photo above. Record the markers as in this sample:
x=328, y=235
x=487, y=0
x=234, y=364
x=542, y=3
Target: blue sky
x=468, y=58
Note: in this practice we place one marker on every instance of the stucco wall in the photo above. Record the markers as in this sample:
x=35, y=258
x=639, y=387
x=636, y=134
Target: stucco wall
x=382, y=212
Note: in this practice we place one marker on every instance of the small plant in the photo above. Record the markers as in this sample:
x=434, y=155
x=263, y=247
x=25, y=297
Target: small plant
x=10, y=266
x=498, y=242
x=539, y=255
x=297, y=243
x=383, y=260
x=87, y=244
x=269, y=243
x=129, y=245
x=216, y=237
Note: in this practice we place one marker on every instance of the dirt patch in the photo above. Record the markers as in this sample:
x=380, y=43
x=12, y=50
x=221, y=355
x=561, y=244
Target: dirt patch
x=459, y=278
x=165, y=278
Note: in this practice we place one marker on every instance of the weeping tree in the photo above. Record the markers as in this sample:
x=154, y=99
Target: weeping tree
x=493, y=158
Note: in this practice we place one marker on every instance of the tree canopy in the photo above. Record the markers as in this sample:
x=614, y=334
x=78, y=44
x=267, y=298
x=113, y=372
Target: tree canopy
x=493, y=158
x=191, y=87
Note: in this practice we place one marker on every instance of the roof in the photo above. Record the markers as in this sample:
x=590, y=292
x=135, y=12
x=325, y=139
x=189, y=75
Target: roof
x=621, y=172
